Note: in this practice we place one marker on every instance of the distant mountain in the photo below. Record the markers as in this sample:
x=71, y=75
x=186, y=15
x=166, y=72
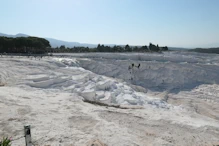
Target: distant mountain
x=58, y=43
x=54, y=42
x=211, y=45
x=14, y=36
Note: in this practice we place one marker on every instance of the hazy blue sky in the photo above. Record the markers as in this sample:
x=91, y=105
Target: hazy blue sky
x=182, y=23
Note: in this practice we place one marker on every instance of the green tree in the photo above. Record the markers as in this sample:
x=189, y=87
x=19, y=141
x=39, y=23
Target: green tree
x=128, y=48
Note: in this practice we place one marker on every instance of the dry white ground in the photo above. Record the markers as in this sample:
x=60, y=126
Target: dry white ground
x=47, y=94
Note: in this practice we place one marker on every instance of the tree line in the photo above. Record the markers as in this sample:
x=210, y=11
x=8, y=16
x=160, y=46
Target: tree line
x=206, y=50
x=103, y=48
x=35, y=45
x=28, y=45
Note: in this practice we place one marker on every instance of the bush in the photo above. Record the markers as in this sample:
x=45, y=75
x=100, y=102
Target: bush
x=5, y=142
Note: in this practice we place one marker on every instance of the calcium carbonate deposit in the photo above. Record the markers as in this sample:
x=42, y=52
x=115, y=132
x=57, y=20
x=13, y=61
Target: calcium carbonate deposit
x=132, y=99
